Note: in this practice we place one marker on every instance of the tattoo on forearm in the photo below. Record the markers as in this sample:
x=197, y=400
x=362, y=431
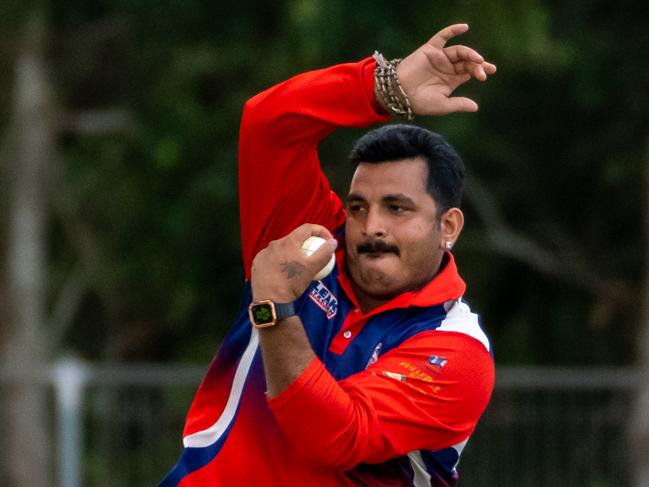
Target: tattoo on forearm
x=292, y=269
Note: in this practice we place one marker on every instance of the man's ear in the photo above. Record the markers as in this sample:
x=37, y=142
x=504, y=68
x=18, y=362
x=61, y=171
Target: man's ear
x=451, y=223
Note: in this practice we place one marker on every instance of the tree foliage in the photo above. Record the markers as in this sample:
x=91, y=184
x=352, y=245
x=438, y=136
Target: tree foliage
x=553, y=247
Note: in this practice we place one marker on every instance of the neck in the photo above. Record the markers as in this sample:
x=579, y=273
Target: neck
x=367, y=302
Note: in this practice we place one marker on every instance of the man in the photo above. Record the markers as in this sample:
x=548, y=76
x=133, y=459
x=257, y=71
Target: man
x=377, y=373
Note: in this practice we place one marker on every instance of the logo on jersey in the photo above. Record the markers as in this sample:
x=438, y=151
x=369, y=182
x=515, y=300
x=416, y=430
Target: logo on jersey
x=375, y=355
x=324, y=298
x=419, y=379
x=392, y=375
x=437, y=361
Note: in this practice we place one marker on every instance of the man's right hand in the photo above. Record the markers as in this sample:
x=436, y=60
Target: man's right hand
x=431, y=73
x=281, y=272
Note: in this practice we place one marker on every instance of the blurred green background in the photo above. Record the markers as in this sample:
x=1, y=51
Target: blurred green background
x=139, y=229
x=557, y=153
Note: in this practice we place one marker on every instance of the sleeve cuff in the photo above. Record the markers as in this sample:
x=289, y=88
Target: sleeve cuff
x=368, y=87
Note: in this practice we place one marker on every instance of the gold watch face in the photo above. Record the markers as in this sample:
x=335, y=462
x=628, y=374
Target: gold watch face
x=262, y=314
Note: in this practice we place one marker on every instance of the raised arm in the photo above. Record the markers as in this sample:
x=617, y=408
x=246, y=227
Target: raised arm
x=281, y=185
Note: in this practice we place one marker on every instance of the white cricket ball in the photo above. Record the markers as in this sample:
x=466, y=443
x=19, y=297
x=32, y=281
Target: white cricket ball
x=312, y=244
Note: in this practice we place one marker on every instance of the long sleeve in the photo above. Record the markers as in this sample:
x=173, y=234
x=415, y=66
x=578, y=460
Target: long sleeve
x=281, y=184
x=427, y=393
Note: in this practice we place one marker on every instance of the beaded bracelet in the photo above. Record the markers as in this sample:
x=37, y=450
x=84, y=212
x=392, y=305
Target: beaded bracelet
x=385, y=81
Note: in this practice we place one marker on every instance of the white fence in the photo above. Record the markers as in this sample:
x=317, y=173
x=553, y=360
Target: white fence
x=121, y=425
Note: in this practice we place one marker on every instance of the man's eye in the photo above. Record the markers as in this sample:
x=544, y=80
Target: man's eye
x=397, y=209
x=355, y=208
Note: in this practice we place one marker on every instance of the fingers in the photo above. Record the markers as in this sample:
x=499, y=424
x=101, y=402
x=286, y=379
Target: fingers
x=464, y=59
x=440, y=39
x=282, y=270
x=468, y=61
x=463, y=53
x=481, y=71
x=476, y=71
x=489, y=68
x=317, y=260
x=320, y=257
x=307, y=230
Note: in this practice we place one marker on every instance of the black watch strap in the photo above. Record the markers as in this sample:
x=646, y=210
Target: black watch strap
x=284, y=310
x=266, y=313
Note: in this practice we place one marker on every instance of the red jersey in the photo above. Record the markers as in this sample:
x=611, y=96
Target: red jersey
x=393, y=394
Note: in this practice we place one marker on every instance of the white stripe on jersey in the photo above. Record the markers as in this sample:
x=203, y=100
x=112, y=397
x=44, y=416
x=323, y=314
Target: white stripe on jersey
x=422, y=477
x=459, y=448
x=211, y=435
x=459, y=318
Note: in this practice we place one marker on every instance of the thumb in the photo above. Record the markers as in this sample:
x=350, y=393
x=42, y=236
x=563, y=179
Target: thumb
x=460, y=104
x=322, y=255
x=324, y=252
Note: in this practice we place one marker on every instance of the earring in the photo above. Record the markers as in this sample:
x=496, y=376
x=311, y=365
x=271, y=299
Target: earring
x=449, y=245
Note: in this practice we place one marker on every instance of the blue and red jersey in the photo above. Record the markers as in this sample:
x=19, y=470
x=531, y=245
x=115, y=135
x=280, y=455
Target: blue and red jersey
x=393, y=394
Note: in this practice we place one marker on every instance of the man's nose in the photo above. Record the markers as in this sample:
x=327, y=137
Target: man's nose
x=375, y=225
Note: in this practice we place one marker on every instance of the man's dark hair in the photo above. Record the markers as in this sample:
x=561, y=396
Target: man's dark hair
x=399, y=141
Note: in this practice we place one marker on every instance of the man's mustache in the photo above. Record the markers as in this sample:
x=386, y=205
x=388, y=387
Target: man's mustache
x=376, y=247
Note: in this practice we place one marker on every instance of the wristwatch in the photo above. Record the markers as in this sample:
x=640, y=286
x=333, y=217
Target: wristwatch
x=267, y=313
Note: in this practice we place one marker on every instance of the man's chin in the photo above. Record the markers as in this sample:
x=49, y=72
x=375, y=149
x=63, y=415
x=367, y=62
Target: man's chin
x=378, y=282
x=374, y=275
x=379, y=291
